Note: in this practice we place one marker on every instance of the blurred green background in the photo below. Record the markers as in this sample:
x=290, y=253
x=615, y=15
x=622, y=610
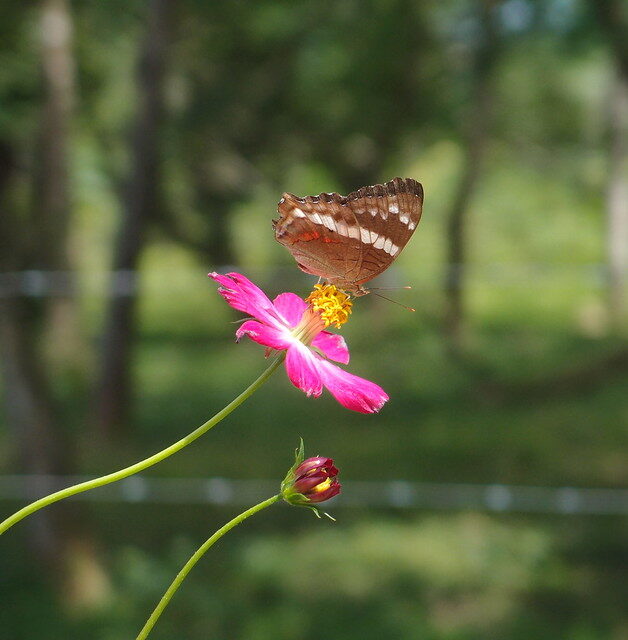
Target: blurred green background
x=145, y=143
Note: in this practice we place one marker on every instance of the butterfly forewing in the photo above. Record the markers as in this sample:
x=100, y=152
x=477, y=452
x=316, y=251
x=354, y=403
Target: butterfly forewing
x=349, y=240
x=318, y=232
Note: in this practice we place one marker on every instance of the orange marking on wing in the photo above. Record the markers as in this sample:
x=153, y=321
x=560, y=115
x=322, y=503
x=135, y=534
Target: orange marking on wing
x=307, y=236
x=312, y=235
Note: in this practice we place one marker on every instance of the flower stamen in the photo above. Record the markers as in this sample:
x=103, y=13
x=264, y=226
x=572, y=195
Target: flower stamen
x=333, y=304
x=322, y=486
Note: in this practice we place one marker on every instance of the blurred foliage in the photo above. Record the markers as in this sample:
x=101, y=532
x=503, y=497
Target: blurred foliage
x=465, y=577
x=313, y=96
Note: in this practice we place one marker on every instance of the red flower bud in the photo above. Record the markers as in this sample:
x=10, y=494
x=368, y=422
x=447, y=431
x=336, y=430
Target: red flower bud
x=313, y=480
x=316, y=465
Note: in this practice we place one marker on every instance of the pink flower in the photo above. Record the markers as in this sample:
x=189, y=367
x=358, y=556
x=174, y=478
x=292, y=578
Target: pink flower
x=290, y=324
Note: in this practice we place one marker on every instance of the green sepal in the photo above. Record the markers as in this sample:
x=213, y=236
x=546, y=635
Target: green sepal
x=297, y=499
x=318, y=512
x=288, y=481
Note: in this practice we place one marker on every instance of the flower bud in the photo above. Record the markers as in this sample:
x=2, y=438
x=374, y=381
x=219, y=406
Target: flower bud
x=315, y=478
x=310, y=481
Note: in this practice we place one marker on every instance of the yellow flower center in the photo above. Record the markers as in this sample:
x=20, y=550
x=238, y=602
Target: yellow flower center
x=333, y=304
x=322, y=486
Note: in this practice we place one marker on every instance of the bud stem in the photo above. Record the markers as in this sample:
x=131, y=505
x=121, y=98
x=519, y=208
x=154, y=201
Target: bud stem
x=147, y=462
x=198, y=554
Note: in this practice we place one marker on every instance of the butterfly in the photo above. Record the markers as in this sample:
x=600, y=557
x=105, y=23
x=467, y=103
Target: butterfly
x=348, y=240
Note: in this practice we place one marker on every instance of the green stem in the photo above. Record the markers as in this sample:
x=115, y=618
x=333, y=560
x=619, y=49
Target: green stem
x=147, y=462
x=198, y=554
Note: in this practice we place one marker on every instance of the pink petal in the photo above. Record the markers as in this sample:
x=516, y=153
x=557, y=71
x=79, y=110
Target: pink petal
x=291, y=307
x=351, y=391
x=302, y=369
x=245, y=296
x=263, y=334
x=333, y=346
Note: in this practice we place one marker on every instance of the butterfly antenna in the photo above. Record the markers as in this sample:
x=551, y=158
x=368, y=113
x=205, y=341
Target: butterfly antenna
x=389, y=288
x=379, y=295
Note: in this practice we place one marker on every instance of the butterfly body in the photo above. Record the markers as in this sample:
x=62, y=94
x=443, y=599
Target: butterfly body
x=348, y=240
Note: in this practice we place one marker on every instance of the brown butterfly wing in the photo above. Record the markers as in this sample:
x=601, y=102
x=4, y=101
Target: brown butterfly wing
x=387, y=215
x=321, y=233
x=349, y=240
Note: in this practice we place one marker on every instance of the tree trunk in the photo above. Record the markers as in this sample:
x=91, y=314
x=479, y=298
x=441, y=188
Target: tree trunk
x=57, y=537
x=114, y=390
x=27, y=326
x=476, y=139
x=613, y=18
x=51, y=195
x=617, y=205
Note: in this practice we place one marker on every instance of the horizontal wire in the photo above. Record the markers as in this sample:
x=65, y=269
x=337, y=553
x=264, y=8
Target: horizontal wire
x=41, y=283
x=395, y=494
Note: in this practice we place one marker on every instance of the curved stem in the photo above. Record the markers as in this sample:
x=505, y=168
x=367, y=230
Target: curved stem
x=147, y=462
x=198, y=554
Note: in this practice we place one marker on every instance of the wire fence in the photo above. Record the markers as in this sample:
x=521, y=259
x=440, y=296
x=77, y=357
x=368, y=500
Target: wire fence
x=38, y=283
x=391, y=494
